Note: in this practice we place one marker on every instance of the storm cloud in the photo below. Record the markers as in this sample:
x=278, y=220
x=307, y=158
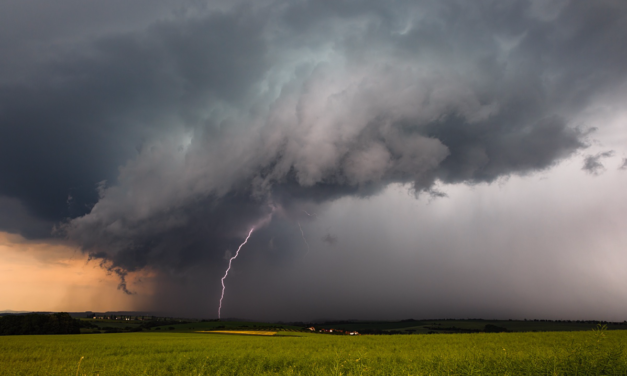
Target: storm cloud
x=159, y=145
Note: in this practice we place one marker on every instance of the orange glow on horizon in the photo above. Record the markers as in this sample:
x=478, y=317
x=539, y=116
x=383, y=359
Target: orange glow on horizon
x=51, y=276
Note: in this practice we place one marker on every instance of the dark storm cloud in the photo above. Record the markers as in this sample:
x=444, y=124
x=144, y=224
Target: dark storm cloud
x=202, y=124
x=15, y=218
x=173, y=239
x=592, y=163
x=80, y=117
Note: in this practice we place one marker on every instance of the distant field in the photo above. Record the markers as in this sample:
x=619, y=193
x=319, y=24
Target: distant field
x=293, y=353
x=447, y=326
x=381, y=327
x=99, y=325
x=225, y=325
x=114, y=323
x=240, y=332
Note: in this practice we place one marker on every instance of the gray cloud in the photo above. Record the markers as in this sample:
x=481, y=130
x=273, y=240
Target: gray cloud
x=330, y=239
x=592, y=163
x=203, y=123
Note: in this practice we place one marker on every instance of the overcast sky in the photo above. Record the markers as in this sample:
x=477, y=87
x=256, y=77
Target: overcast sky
x=406, y=159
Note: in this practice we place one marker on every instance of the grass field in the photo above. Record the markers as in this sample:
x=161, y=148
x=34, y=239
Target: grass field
x=292, y=353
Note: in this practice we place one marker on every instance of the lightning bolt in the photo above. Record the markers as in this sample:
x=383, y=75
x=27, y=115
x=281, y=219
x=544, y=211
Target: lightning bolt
x=302, y=233
x=229, y=268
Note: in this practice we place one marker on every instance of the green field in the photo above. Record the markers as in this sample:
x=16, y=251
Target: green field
x=293, y=353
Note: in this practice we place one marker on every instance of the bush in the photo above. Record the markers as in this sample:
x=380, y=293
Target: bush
x=489, y=328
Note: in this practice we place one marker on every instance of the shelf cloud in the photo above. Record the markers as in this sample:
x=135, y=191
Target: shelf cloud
x=159, y=145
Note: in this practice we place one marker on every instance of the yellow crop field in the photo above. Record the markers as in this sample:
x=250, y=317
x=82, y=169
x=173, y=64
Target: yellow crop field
x=244, y=332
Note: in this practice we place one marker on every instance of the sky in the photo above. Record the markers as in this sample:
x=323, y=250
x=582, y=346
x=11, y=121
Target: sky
x=406, y=159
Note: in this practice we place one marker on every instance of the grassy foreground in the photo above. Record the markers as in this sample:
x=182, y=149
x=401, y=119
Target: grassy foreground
x=551, y=353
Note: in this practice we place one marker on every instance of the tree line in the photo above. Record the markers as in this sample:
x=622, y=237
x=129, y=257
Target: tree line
x=37, y=323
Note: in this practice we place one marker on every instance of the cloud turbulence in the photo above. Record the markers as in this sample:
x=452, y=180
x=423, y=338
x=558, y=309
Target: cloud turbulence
x=158, y=144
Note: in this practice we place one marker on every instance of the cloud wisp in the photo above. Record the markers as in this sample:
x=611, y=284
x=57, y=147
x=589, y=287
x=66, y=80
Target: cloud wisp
x=592, y=163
